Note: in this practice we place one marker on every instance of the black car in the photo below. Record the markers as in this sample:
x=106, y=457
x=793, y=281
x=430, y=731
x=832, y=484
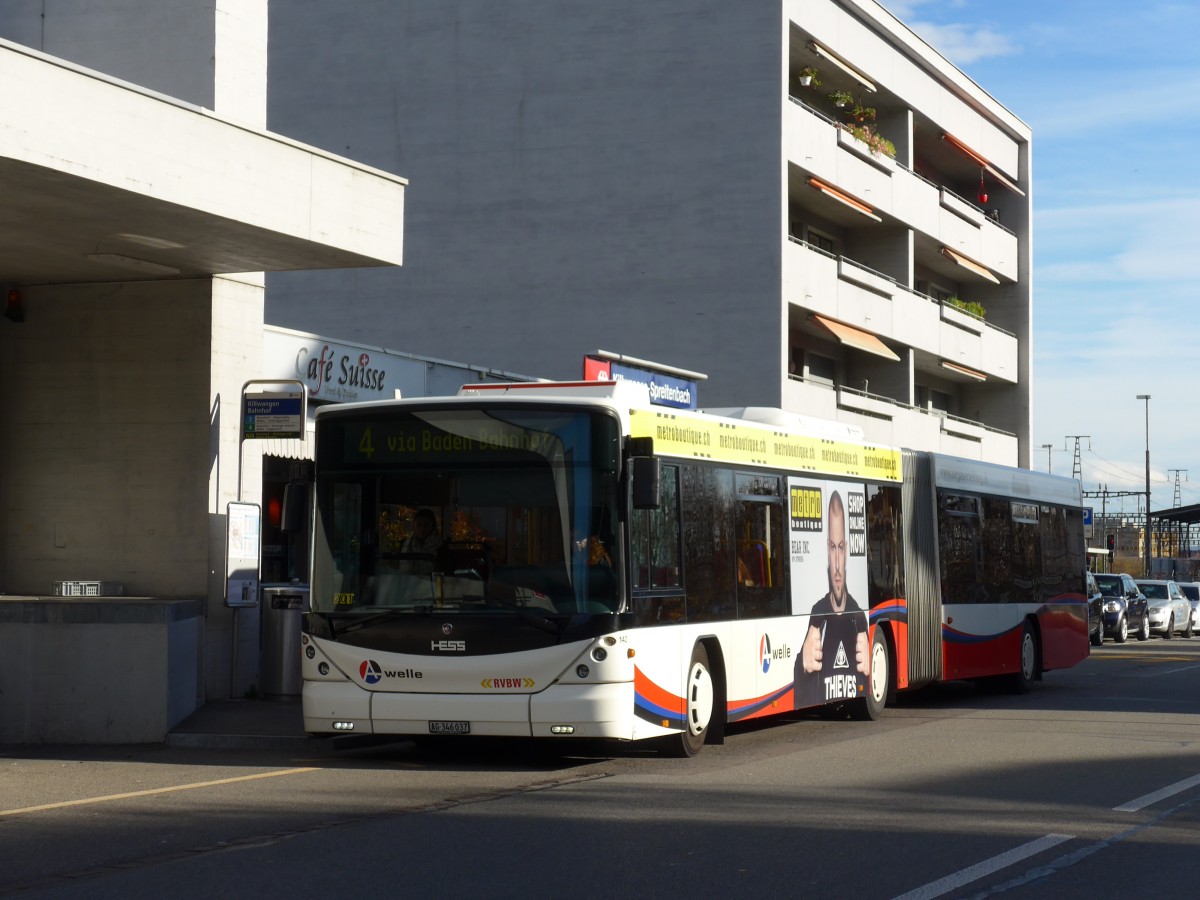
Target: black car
x=1095, y=602
x=1125, y=607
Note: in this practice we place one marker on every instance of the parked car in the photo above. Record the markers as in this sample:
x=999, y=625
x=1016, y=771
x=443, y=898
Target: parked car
x=1095, y=602
x=1170, y=611
x=1191, y=590
x=1124, y=607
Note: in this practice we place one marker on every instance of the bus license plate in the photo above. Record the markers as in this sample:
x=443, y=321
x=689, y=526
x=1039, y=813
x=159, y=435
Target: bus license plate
x=449, y=727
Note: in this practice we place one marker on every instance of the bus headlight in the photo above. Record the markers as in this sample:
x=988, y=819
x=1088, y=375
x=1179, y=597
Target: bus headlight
x=599, y=654
x=582, y=671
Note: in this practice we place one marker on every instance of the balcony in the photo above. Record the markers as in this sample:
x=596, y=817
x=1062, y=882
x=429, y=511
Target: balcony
x=892, y=423
x=818, y=146
x=850, y=292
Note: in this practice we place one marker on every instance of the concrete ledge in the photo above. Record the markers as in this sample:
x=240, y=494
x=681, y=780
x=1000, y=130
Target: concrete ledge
x=96, y=670
x=96, y=610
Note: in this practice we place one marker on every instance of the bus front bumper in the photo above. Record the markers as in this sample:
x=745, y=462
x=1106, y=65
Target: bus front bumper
x=575, y=710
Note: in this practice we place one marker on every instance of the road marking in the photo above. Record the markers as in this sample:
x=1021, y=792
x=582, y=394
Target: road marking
x=987, y=867
x=147, y=793
x=1168, y=791
x=1171, y=671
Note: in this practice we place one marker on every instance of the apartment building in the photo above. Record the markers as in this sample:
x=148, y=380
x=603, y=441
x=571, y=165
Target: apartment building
x=656, y=180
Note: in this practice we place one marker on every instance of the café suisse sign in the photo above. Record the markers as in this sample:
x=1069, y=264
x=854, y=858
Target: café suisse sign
x=337, y=372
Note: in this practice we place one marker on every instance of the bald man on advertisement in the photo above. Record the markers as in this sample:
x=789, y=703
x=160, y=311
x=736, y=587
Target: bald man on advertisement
x=833, y=661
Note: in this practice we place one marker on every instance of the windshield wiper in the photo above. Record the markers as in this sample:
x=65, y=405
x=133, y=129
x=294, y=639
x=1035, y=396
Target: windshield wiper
x=377, y=617
x=543, y=622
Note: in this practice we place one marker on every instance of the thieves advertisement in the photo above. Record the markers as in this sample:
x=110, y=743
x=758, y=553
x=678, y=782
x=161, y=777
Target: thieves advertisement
x=828, y=543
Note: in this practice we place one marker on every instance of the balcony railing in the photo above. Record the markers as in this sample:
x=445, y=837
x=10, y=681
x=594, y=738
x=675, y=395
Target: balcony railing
x=899, y=404
x=914, y=173
x=900, y=288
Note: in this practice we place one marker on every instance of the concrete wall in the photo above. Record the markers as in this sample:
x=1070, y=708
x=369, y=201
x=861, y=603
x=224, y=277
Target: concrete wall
x=102, y=671
x=122, y=449
x=583, y=176
x=107, y=438
x=212, y=54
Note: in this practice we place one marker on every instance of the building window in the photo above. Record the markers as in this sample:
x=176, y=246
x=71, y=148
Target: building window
x=821, y=241
x=933, y=399
x=819, y=368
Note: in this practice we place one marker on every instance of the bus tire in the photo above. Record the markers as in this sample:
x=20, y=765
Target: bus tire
x=699, y=707
x=1028, y=662
x=879, y=683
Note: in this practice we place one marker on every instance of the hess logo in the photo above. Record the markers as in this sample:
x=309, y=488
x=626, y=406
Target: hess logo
x=448, y=646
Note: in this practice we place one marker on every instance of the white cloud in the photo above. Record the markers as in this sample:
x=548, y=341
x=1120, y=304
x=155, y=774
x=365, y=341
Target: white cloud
x=964, y=44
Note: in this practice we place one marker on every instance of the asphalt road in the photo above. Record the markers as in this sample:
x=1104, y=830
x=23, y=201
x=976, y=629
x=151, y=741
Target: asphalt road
x=1087, y=787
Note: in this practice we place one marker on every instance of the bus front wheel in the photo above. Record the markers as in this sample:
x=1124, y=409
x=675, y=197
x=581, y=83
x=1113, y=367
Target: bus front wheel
x=699, y=700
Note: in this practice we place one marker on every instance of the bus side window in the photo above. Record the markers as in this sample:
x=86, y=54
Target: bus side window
x=654, y=535
x=709, y=543
x=883, y=544
x=762, y=552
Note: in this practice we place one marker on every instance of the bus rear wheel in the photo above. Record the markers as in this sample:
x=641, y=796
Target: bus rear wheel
x=1028, y=663
x=699, y=700
x=870, y=706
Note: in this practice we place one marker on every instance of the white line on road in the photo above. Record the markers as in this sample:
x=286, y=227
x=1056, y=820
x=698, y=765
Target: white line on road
x=1159, y=673
x=63, y=804
x=1170, y=671
x=1169, y=790
x=987, y=867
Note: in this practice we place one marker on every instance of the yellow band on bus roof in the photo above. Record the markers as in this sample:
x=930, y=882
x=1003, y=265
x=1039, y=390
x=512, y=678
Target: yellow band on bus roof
x=696, y=437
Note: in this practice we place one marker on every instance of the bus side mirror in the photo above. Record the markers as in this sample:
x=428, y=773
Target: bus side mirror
x=294, y=517
x=647, y=474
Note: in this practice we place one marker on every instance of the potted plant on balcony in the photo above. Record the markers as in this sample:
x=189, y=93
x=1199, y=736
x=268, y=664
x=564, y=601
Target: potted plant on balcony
x=968, y=306
x=808, y=75
x=862, y=113
x=878, y=144
x=840, y=98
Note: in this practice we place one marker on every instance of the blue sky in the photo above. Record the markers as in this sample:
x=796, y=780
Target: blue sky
x=1111, y=92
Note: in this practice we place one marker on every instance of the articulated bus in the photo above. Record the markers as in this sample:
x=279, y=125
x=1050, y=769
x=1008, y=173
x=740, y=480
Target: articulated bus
x=567, y=560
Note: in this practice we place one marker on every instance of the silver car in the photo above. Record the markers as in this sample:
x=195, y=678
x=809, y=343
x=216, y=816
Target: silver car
x=1170, y=611
x=1191, y=590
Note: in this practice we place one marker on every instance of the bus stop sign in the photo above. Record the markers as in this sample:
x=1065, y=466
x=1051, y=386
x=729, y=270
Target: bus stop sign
x=273, y=415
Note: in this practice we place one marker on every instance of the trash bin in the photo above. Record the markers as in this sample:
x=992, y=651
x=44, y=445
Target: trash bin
x=283, y=605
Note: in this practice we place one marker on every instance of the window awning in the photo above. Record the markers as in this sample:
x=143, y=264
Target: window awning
x=857, y=338
x=840, y=63
x=856, y=205
x=983, y=163
x=963, y=370
x=969, y=264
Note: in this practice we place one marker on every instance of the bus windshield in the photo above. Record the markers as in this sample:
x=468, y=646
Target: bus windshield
x=465, y=510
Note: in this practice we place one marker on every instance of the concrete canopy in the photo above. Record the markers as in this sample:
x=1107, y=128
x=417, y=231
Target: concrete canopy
x=101, y=181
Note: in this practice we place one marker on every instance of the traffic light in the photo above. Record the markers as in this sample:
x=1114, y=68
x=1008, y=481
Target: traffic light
x=1112, y=544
